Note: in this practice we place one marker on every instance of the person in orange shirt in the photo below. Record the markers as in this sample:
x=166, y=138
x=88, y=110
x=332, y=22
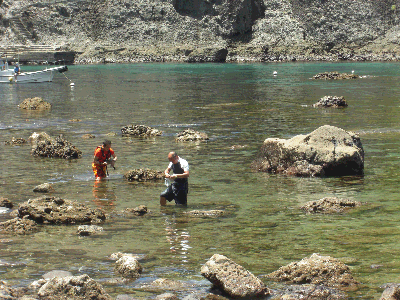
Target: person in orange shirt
x=103, y=156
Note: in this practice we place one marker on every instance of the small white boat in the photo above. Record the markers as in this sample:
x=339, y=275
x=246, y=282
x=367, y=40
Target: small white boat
x=8, y=75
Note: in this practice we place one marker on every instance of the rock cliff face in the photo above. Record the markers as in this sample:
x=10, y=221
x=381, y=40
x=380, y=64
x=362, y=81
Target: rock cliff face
x=258, y=30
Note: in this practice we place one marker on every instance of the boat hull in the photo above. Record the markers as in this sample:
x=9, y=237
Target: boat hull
x=45, y=75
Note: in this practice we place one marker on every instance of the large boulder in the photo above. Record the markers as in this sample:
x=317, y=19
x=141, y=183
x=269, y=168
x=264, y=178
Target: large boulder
x=54, y=210
x=139, y=131
x=73, y=288
x=47, y=146
x=316, y=269
x=232, y=278
x=327, y=151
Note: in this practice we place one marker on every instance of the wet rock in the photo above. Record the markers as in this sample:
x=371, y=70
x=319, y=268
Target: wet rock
x=144, y=175
x=191, y=135
x=331, y=101
x=44, y=188
x=327, y=151
x=140, y=131
x=6, y=292
x=56, y=273
x=232, y=278
x=18, y=226
x=128, y=267
x=4, y=202
x=46, y=146
x=201, y=55
x=329, y=205
x=86, y=230
x=316, y=269
x=16, y=141
x=138, y=211
x=167, y=296
x=88, y=136
x=310, y=292
x=206, y=213
x=54, y=210
x=163, y=284
x=73, y=287
x=391, y=292
x=335, y=75
x=36, y=103
x=118, y=255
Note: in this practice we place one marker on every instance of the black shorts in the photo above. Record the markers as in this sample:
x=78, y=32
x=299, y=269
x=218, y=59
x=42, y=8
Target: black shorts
x=176, y=191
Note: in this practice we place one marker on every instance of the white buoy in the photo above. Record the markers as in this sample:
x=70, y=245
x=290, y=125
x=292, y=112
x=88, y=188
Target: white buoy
x=275, y=73
x=352, y=72
x=72, y=84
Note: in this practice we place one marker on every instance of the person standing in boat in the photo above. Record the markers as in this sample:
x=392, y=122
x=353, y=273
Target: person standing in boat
x=103, y=156
x=17, y=71
x=179, y=188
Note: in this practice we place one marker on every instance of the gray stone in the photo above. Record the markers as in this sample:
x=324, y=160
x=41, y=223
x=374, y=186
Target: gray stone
x=128, y=267
x=86, y=230
x=44, y=188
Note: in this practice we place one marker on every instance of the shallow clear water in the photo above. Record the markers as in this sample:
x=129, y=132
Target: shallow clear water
x=235, y=105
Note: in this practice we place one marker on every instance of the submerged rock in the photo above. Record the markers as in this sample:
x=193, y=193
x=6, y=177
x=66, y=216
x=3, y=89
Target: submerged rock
x=54, y=210
x=74, y=288
x=4, y=202
x=46, y=146
x=232, y=278
x=335, y=75
x=18, y=226
x=35, y=103
x=138, y=211
x=310, y=292
x=191, y=135
x=16, y=141
x=140, y=131
x=144, y=175
x=128, y=267
x=329, y=205
x=327, y=151
x=206, y=213
x=316, y=269
x=331, y=101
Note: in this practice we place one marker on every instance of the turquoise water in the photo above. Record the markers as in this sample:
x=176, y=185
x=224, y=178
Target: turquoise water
x=235, y=104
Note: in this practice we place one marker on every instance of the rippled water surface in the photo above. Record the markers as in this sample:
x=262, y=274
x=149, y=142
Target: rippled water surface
x=240, y=105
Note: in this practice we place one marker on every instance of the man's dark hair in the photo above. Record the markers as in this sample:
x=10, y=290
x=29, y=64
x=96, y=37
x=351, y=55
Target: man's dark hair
x=106, y=142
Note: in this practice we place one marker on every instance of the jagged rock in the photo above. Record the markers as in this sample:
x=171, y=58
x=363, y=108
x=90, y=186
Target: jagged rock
x=86, y=230
x=54, y=210
x=4, y=202
x=327, y=151
x=331, y=101
x=36, y=103
x=144, y=175
x=43, y=188
x=191, y=135
x=46, y=146
x=232, y=278
x=391, y=292
x=335, y=75
x=206, y=213
x=74, y=288
x=128, y=267
x=329, y=205
x=138, y=211
x=316, y=269
x=16, y=141
x=18, y=226
x=140, y=131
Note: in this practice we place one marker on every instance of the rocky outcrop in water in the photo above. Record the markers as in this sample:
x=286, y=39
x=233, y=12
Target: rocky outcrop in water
x=141, y=210
x=144, y=175
x=329, y=205
x=18, y=226
x=232, y=278
x=47, y=146
x=128, y=267
x=191, y=135
x=16, y=141
x=316, y=269
x=4, y=202
x=86, y=230
x=391, y=292
x=327, y=151
x=206, y=213
x=331, y=101
x=54, y=210
x=140, y=131
x=35, y=103
x=335, y=75
x=43, y=188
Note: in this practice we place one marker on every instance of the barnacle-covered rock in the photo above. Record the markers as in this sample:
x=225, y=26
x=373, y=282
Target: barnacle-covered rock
x=331, y=101
x=144, y=175
x=47, y=146
x=139, y=131
x=35, y=103
x=16, y=141
x=191, y=135
x=335, y=75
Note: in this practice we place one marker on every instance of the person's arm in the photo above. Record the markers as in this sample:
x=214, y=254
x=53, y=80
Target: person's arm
x=96, y=161
x=166, y=172
x=184, y=175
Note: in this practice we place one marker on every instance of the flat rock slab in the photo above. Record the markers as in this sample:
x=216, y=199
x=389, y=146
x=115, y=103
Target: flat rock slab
x=232, y=278
x=18, y=226
x=140, y=131
x=329, y=205
x=191, y=135
x=335, y=76
x=331, y=101
x=206, y=213
x=54, y=210
x=73, y=287
x=316, y=269
x=144, y=175
x=35, y=103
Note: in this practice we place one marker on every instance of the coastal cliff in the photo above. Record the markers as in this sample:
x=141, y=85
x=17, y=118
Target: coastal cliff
x=206, y=30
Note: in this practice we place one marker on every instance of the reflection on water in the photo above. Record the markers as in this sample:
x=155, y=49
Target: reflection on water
x=178, y=236
x=103, y=193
